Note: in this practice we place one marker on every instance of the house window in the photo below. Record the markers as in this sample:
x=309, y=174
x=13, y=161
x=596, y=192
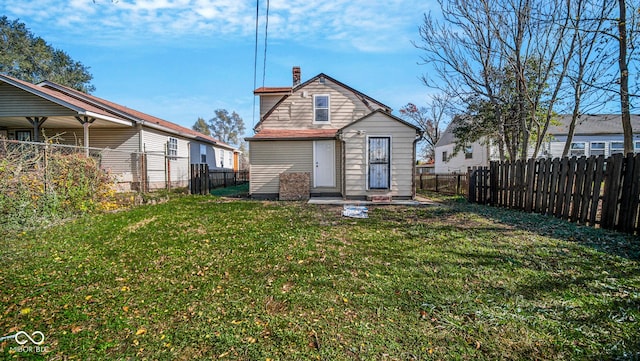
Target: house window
x=636, y=146
x=23, y=135
x=321, y=108
x=379, y=162
x=617, y=147
x=172, y=147
x=468, y=152
x=203, y=153
x=577, y=149
x=597, y=148
x=444, y=156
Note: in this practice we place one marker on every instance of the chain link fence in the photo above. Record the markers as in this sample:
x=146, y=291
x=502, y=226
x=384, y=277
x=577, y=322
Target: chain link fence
x=131, y=171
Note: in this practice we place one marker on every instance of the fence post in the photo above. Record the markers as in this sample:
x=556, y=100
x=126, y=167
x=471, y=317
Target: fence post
x=493, y=183
x=472, y=186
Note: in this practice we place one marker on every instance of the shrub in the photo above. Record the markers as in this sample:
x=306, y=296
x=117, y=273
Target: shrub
x=41, y=184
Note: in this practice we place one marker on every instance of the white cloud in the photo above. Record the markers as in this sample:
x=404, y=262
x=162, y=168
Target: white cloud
x=361, y=24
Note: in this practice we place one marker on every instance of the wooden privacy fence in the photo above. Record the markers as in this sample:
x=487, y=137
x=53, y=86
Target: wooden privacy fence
x=443, y=183
x=591, y=191
x=203, y=180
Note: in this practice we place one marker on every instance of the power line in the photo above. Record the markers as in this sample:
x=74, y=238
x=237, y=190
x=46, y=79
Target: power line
x=266, y=32
x=255, y=64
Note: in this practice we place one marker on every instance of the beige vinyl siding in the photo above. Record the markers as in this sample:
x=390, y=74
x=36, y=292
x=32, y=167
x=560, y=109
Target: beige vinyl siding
x=17, y=102
x=269, y=159
x=296, y=112
x=267, y=102
x=356, y=154
x=155, y=143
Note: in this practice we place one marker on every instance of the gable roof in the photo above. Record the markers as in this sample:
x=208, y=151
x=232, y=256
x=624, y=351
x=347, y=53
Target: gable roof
x=380, y=111
x=91, y=105
x=286, y=92
x=65, y=100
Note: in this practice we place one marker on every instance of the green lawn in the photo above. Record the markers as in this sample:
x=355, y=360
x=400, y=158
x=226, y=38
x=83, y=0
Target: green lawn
x=204, y=277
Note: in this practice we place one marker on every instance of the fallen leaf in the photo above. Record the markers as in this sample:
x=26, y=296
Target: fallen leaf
x=76, y=329
x=125, y=308
x=88, y=297
x=25, y=311
x=141, y=331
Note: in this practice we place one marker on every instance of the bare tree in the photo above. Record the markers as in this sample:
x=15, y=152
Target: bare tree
x=587, y=67
x=464, y=52
x=625, y=39
x=429, y=120
x=505, y=60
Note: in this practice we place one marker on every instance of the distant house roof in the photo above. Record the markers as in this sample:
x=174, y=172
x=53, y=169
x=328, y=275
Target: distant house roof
x=95, y=106
x=447, y=137
x=587, y=124
x=294, y=134
x=593, y=124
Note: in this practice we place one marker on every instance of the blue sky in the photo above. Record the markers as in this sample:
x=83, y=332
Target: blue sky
x=182, y=59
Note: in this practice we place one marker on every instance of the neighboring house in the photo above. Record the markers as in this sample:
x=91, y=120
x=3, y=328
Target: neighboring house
x=593, y=135
x=426, y=168
x=28, y=112
x=348, y=143
x=449, y=160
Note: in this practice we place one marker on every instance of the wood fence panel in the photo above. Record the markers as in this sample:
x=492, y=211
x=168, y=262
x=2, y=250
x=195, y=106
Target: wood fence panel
x=553, y=185
x=591, y=191
x=578, y=186
x=611, y=191
x=596, y=200
x=587, y=188
x=634, y=221
x=540, y=190
x=528, y=186
x=562, y=186
x=628, y=195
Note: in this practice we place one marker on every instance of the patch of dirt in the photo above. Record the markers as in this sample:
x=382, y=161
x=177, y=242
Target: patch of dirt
x=140, y=224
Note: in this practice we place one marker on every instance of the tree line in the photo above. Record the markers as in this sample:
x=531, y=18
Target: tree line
x=509, y=67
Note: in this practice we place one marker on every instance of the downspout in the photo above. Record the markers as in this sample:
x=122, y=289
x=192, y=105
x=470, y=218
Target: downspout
x=413, y=165
x=343, y=162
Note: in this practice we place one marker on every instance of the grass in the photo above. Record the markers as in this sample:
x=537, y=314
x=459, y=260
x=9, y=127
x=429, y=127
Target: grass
x=232, y=191
x=205, y=278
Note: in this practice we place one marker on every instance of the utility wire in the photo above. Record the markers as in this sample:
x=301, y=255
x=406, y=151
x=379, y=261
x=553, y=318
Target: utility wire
x=266, y=32
x=255, y=64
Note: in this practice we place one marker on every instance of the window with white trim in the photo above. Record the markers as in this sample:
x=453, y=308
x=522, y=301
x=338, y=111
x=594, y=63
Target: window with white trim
x=636, y=146
x=617, y=147
x=444, y=156
x=172, y=147
x=597, y=148
x=577, y=149
x=321, y=108
x=203, y=153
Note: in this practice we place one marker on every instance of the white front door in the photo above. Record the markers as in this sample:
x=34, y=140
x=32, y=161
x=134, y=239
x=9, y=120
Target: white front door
x=324, y=163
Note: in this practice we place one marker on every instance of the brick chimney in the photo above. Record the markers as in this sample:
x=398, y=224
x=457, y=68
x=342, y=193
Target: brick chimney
x=296, y=75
